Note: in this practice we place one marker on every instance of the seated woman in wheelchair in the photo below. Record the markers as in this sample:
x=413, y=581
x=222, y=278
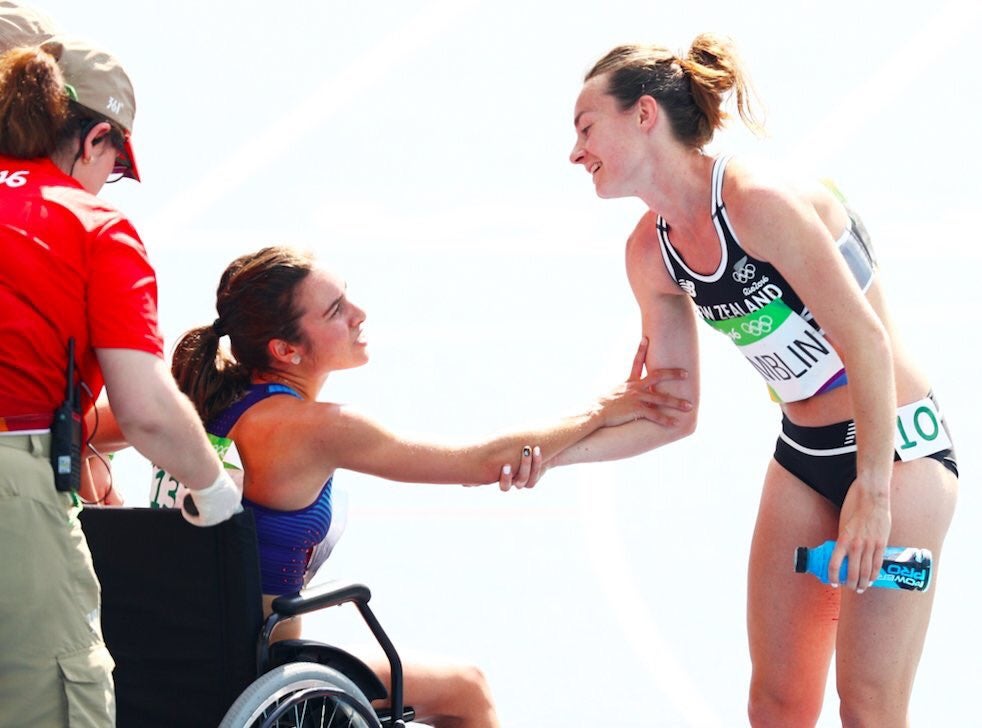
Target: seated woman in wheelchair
x=290, y=324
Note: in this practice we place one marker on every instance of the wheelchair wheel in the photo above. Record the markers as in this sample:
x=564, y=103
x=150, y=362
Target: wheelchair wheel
x=301, y=695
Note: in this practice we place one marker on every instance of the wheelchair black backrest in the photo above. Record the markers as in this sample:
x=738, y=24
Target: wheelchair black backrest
x=181, y=610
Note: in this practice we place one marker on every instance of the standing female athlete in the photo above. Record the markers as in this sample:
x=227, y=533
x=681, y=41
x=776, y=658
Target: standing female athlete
x=785, y=270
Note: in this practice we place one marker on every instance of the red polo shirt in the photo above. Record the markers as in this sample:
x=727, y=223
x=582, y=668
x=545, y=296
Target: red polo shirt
x=70, y=265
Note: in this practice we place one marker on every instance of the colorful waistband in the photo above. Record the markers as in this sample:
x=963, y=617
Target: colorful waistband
x=838, y=438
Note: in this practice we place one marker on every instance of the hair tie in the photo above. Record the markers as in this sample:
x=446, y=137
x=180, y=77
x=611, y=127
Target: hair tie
x=218, y=328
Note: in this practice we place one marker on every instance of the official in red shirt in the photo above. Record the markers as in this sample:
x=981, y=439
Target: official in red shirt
x=74, y=277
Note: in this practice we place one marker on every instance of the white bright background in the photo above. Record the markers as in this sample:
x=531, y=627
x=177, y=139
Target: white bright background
x=420, y=149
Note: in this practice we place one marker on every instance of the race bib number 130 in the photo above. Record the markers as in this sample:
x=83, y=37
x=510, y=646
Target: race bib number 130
x=166, y=490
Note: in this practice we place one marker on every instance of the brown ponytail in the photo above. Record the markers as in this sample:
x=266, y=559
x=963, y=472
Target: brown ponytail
x=34, y=106
x=689, y=90
x=207, y=375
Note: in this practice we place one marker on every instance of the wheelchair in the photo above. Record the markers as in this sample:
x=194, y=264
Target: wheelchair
x=182, y=617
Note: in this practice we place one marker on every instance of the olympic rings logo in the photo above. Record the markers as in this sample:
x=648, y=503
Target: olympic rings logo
x=745, y=274
x=758, y=327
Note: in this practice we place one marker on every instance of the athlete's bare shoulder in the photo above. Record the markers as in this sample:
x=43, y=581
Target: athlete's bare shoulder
x=645, y=265
x=645, y=233
x=759, y=194
x=751, y=179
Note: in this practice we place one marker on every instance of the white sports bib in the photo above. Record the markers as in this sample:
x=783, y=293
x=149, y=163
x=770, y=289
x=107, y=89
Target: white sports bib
x=792, y=356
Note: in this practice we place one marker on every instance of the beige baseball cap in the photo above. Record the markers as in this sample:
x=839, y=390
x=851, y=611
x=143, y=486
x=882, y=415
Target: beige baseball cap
x=23, y=26
x=95, y=79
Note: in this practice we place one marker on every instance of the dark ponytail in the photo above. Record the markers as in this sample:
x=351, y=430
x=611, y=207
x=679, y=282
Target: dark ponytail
x=256, y=303
x=206, y=374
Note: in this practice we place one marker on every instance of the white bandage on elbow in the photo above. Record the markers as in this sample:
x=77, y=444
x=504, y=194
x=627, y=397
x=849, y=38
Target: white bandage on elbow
x=214, y=504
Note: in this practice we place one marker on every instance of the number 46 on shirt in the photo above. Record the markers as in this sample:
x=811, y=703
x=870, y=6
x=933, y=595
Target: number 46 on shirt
x=13, y=179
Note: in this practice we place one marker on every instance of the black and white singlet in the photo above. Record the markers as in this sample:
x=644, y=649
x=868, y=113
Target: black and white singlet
x=750, y=301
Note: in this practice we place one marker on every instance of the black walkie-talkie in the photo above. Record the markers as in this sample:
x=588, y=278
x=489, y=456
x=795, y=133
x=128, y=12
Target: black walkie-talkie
x=66, y=432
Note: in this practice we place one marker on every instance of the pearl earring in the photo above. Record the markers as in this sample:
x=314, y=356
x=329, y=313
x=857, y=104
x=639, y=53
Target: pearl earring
x=296, y=359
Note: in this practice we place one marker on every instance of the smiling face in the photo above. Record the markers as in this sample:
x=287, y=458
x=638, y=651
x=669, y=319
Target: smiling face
x=608, y=140
x=330, y=324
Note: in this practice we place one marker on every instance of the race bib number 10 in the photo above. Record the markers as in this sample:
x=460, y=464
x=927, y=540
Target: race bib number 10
x=166, y=490
x=919, y=431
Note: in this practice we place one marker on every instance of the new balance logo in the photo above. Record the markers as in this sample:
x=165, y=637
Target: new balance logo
x=850, y=434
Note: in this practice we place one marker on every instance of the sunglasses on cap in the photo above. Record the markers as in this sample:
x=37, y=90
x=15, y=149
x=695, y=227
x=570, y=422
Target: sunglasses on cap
x=123, y=166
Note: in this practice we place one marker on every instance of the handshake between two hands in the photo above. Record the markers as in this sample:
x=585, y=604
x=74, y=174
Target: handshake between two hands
x=635, y=399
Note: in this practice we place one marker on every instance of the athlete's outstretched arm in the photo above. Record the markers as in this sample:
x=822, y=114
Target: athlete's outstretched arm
x=363, y=445
x=325, y=436
x=668, y=322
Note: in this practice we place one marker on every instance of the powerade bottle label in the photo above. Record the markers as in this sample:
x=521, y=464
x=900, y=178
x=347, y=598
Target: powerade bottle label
x=903, y=568
x=911, y=570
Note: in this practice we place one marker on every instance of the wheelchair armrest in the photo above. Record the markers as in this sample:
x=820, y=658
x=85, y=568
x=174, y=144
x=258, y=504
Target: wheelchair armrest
x=321, y=596
x=328, y=595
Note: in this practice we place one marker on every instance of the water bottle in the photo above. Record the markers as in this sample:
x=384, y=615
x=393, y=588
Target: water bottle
x=903, y=568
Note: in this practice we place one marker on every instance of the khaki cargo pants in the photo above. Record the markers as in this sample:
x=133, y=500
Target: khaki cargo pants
x=55, y=669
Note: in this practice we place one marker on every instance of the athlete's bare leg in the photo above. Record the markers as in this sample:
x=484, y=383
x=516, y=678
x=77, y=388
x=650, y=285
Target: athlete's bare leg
x=443, y=694
x=795, y=621
x=881, y=632
x=791, y=618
